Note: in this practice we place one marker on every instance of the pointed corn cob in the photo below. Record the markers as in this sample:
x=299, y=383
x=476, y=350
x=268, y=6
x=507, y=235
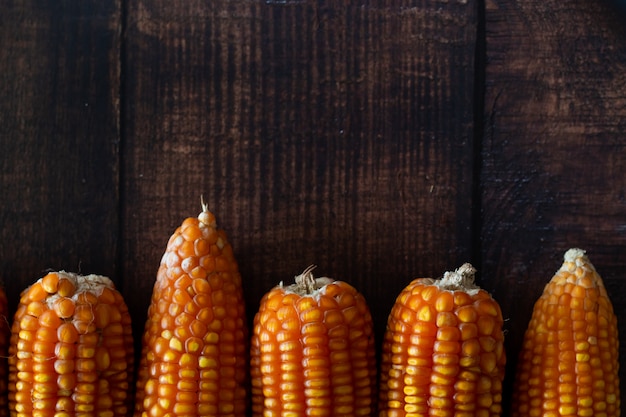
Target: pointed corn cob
x=195, y=351
x=443, y=351
x=312, y=351
x=568, y=365
x=71, y=349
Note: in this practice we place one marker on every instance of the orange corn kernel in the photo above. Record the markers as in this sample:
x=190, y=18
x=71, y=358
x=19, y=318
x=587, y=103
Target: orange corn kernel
x=443, y=352
x=312, y=351
x=574, y=327
x=60, y=358
x=194, y=348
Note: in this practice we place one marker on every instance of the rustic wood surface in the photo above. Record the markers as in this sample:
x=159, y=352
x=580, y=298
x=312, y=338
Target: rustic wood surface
x=59, y=139
x=379, y=140
x=334, y=135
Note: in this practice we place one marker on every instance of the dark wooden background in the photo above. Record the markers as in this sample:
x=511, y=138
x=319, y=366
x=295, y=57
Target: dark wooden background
x=381, y=140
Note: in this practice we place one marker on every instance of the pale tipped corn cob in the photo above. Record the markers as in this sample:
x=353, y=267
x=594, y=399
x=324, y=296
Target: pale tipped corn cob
x=194, y=354
x=568, y=365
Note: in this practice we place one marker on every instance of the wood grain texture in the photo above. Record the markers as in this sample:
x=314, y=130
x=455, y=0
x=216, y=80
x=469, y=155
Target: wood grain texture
x=59, y=117
x=554, y=154
x=330, y=133
x=339, y=133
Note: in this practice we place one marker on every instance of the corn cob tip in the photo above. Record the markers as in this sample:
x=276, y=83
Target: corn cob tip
x=577, y=266
x=76, y=284
x=86, y=281
x=576, y=258
x=460, y=279
x=203, y=204
x=206, y=217
x=573, y=254
x=306, y=283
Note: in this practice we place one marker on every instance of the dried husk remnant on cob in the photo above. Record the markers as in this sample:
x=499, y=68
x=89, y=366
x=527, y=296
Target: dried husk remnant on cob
x=312, y=351
x=443, y=352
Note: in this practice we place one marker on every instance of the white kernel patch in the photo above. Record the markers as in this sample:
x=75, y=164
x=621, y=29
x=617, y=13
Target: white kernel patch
x=82, y=283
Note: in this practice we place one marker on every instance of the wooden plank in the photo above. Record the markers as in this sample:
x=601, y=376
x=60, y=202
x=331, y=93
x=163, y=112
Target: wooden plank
x=554, y=154
x=59, y=83
x=319, y=132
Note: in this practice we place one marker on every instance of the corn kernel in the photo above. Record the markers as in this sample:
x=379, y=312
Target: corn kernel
x=444, y=302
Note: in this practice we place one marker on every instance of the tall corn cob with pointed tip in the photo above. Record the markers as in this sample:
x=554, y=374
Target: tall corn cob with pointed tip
x=313, y=351
x=71, y=349
x=568, y=365
x=443, y=352
x=195, y=351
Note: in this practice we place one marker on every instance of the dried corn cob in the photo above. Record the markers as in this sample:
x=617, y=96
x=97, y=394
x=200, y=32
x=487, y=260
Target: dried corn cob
x=5, y=331
x=71, y=349
x=568, y=365
x=312, y=351
x=443, y=351
x=194, y=353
